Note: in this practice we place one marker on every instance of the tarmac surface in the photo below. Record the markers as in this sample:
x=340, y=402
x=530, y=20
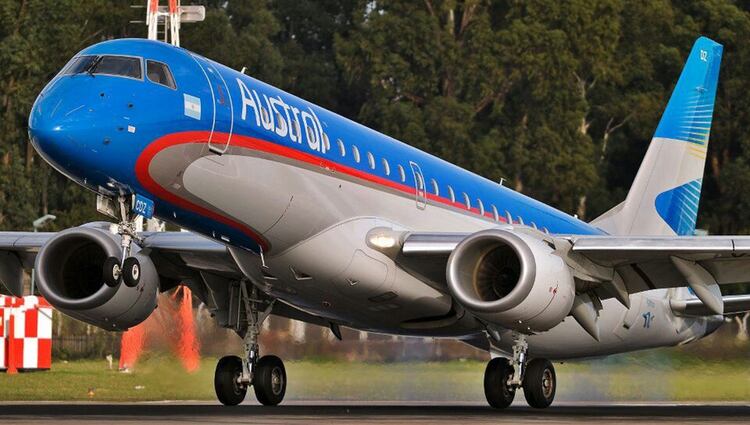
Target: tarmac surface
x=360, y=413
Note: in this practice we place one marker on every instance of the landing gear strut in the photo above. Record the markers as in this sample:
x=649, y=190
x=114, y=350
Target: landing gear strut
x=266, y=374
x=126, y=268
x=503, y=377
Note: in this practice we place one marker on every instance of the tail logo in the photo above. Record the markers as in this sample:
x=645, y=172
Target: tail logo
x=678, y=207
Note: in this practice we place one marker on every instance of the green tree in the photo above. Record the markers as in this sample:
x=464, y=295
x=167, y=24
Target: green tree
x=238, y=34
x=490, y=86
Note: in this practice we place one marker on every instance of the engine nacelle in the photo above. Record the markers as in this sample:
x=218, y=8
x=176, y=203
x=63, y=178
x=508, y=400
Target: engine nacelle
x=69, y=270
x=510, y=279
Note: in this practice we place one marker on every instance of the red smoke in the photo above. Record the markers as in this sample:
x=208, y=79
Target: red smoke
x=131, y=346
x=188, y=346
x=175, y=312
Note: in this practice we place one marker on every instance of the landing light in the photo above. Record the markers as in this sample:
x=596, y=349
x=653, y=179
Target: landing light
x=385, y=240
x=382, y=241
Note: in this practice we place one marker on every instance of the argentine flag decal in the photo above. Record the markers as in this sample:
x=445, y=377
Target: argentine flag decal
x=192, y=106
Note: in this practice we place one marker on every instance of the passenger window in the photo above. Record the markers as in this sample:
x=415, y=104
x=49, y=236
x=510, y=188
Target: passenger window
x=342, y=148
x=121, y=66
x=467, y=201
x=495, y=215
x=451, y=194
x=159, y=73
x=355, y=152
x=435, y=187
x=402, y=173
x=481, y=207
x=371, y=160
x=386, y=167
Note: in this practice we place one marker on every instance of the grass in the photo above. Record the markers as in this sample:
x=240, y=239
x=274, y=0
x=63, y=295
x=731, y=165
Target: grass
x=162, y=378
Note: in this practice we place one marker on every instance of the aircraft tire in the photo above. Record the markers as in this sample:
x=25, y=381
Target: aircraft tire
x=539, y=383
x=112, y=272
x=228, y=390
x=131, y=272
x=269, y=380
x=496, y=389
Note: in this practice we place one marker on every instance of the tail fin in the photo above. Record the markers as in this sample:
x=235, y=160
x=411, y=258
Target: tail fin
x=664, y=197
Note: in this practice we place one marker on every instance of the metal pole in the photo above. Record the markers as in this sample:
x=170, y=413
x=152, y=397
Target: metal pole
x=33, y=274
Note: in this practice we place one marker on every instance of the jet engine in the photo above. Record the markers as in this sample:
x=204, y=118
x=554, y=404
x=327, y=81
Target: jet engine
x=512, y=280
x=69, y=270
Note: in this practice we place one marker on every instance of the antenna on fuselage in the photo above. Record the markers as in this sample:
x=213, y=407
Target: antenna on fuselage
x=170, y=18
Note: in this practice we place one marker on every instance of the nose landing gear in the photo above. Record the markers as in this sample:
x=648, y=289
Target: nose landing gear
x=266, y=374
x=503, y=377
x=126, y=269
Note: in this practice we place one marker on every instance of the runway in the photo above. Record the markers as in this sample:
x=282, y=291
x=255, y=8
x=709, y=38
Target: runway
x=362, y=413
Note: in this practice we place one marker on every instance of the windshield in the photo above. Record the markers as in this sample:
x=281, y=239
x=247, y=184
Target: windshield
x=124, y=66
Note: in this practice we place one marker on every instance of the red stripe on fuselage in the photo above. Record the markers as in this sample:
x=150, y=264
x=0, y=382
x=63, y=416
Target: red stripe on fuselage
x=144, y=177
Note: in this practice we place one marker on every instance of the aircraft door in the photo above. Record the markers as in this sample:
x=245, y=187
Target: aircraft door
x=223, y=109
x=419, y=186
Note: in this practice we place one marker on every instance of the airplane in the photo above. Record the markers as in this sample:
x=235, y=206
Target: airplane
x=295, y=211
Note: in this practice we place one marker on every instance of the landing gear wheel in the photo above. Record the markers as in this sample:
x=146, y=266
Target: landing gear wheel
x=131, y=272
x=112, y=272
x=226, y=381
x=269, y=380
x=496, y=389
x=539, y=383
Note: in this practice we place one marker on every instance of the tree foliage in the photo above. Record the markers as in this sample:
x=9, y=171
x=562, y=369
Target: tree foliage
x=559, y=99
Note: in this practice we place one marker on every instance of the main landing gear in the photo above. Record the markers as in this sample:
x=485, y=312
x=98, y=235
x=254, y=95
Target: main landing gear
x=503, y=377
x=126, y=269
x=266, y=374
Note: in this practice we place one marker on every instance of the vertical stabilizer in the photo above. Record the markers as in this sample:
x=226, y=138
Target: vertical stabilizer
x=664, y=197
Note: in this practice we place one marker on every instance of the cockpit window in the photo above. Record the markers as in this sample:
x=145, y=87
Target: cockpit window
x=160, y=74
x=78, y=64
x=123, y=66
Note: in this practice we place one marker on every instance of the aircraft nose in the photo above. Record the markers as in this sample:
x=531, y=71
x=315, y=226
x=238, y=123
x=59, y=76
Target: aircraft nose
x=54, y=132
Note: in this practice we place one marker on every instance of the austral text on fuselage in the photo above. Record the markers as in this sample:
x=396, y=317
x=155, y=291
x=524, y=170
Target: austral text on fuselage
x=277, y=116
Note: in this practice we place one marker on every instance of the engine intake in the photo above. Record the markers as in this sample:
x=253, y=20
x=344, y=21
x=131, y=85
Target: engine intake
x=69, y=271
x=511, y=279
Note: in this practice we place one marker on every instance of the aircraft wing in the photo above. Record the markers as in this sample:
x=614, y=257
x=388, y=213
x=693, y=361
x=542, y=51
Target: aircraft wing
x=649, y=261
x=178, y=255
x=208, y=267
x=612, y=266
